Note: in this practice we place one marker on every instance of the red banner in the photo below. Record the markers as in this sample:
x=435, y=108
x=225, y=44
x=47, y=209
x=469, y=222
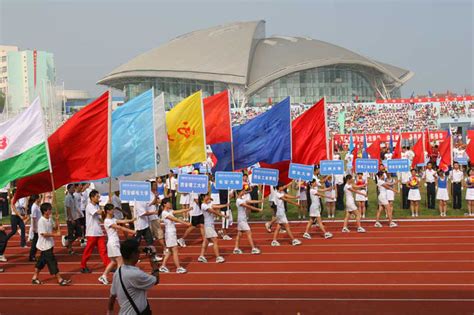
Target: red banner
x=435, y=135
x=427, y=99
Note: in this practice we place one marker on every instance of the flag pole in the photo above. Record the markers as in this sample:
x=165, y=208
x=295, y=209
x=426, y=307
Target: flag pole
x=109, y=142
x=231, y=135
x=326, y=126
x=154, y=128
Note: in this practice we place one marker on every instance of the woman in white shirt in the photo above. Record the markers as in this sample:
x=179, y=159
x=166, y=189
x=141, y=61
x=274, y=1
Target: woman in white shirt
x=351, y=208
x=315, y=210
x=243, y=206
x=112, y=226
x=281, y=219
x=209, y=211
x=383, y=188
x=35, y=216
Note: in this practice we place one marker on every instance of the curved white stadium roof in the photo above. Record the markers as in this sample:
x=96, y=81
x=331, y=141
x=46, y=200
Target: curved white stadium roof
x=239, y=53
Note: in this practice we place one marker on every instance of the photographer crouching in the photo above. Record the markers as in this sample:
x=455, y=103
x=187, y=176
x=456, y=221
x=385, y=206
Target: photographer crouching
x=130, y=284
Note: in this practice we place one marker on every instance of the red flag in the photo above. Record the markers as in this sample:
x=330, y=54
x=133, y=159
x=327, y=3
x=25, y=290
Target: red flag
x=427, y=142
x=78, y=151
x=374, y=150
x=470, y=150
x=445, y=152
x=355, y=152
x=397, y=152
x=217, y=118
x=419, y=153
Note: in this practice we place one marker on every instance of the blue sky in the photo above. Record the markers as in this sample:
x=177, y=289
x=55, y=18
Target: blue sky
x=90, y=38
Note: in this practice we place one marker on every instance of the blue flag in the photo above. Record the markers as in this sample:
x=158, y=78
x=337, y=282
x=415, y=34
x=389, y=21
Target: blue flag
x=391, y=142
x=365, y=155
x=351, y=143
x=266, y=138
x=133, y=142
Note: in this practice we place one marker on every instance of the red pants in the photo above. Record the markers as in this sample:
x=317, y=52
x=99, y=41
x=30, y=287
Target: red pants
x=93, y=241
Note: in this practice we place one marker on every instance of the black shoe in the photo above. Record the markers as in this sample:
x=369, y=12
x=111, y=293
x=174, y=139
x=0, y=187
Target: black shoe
x=85, y=270
x=32, y=259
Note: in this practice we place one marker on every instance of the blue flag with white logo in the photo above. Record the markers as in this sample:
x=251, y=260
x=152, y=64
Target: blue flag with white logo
x=265, y=138
x=133, y=143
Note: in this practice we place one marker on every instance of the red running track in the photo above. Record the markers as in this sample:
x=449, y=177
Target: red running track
x=421, y=267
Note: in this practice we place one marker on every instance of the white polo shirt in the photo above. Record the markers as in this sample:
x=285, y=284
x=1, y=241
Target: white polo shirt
x=429, y=175
x=45, y=226
x=93, y=227
x=20, y=205
x=171, y=185
x=456, y=176
x=35, y=216
x=140, y=208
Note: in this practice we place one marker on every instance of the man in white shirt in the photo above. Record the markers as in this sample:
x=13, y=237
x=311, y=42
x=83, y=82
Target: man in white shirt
x=130, y=284
x=94, y=234
x=430, y=177
x=404, y=179
x=457, y=177
x=171, y=185
x=73, y=214
x=46, y=245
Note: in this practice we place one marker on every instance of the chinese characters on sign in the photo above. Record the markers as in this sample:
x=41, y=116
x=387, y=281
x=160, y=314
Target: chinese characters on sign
x=135, y=191
x=367, y=166
x=229, y=180
x=301, y=172
x=193, y=184
x=398, y=165
x=265, y=176
x=330, y=167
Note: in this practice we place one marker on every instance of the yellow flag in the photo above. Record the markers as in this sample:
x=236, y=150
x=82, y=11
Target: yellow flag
x=186, y=135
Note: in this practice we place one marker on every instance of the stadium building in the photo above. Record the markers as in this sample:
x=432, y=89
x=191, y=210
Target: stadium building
x=258, y=70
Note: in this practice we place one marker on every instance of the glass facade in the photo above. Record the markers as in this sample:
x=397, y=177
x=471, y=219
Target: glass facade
x=174, y=89
x=338, y=83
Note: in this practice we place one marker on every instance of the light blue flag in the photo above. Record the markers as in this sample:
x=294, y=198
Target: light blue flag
x=133, y=138
x=351, y=143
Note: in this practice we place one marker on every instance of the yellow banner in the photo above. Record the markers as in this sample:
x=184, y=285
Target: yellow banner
x=186, y=136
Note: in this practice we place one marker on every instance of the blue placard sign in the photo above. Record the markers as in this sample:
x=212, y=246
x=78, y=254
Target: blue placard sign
x=135, y=191
x=367, y=166
x=188, y=183
x=265, y=176
x=398, y=165
x=229, y=180
x=331, y=167
x=301, y=172
x=461, y=160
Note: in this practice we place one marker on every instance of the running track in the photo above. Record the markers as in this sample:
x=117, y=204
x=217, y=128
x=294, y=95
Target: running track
x=421, y=267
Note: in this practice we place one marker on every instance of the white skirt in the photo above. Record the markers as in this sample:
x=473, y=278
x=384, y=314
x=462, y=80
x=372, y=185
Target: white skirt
x=414, y=194
x=216, y=200
x=315, y=210
x=360, y=197
x=170, y=239
x=390, y=195
x=303, y=196
x=330, y=196
x=350, y=205
x=281, y=218
x=184, y=199
x=113, y=250
x=442, y=194
x=470, y=194
x=382, y=198
x=243, y=226
x=210, y=232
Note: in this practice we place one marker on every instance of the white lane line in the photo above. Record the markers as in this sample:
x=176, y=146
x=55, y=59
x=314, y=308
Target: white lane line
x=239, y=299
x=279, y=272
x=312, y=284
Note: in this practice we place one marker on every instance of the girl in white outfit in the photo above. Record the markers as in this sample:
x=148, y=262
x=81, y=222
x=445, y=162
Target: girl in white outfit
x=315, y=210
x=351, y=208
x=414, y=193
x=361, y=199
x=442, y=192
x=243, y=206
x=384, y=204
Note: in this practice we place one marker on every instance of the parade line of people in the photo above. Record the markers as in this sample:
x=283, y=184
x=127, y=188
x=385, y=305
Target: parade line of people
x=154, y=222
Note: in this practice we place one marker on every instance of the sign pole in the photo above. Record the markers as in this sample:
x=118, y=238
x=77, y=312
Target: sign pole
x=299, y=191
x=263, y=196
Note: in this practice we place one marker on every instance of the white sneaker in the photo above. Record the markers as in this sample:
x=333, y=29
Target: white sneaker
x=413, y=215
x=282, y=231
x=202, y=259
x=227, y=238
x=181, y=270
x=164, y=269
x=268, y=227
x=275, y=243
x=64, y=241
x=345, y=230
x=361, y=230
x=393, y=224
x=181, y=242
x=363, y=216
x=327, y=235
x=416, y=215
x=210, y=244
x=238, y=251
x=220, y=260
x=307, y=236
x=102, y=279
x=157, y=258
x=255, y=251
x=378, y=224
x=83, y=242
x=296, y=242
x=3, y=258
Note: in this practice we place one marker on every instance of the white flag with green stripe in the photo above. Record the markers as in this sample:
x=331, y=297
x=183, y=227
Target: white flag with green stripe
x=23, y=149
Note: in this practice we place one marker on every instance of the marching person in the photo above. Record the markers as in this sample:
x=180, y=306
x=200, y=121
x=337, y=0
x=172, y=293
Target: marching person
x=442, y=192
x=154, y=219
x=281, y=220
x=73, y=215
x=330, y=197
x=171, y=185
x=197, y=220
x=35, y=217
x=414, y=193
x=112, y=226
x=383, y=203
x=429, y=176
x=169, y=219
x=94, y=234
x=351, y=208
x=456, y=178
x=18, y=218
x=209, y=211
x=315, y=210
x=361, y=199
x=303, y=200
x=243, y=206
x=46, y=245
x=392, y=182
x=227, y=219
